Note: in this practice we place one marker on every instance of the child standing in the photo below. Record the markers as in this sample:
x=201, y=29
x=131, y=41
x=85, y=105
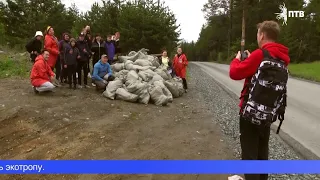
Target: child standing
x=72, y=56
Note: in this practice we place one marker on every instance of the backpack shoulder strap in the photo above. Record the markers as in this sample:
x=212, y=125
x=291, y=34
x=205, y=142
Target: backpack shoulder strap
x=266, y=53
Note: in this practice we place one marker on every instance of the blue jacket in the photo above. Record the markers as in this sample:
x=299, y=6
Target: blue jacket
x=100, y=70
x=110, y=50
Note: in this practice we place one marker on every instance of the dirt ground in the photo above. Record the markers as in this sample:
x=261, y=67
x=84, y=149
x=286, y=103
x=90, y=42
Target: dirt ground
x=82, y=124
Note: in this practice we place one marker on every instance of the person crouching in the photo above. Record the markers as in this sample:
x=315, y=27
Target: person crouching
x=42, y=75
x=72, y=57
x=102, y=73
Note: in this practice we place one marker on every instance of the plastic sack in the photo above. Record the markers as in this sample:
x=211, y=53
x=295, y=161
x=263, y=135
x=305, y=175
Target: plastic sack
x=173, y=88
x=162, y=73
x=165, y=90
x=112, y=88
x=123, y=94
x=117, y=67
x=157, y=96
x=142, y=62
x=132, y=76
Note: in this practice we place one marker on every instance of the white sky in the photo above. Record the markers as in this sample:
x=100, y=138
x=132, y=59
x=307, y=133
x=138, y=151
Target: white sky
x=188, y=14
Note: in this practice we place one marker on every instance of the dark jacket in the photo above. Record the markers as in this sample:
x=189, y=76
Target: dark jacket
x=88, y=39
x=110, y=49
x=72, y=55
x=246, y=69
x=84, y=56
x=117, y=46
x=63, y=47
x=34, y=45
x=98, y=50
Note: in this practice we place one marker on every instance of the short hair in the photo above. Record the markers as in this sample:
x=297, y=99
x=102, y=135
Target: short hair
x=109, y=36
x=271, y=29
x=44, y=50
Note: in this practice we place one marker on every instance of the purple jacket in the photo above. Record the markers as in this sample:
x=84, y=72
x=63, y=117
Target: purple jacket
x=110, y=50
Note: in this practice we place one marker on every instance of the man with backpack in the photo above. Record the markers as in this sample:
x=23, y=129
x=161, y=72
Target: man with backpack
x=263, y=98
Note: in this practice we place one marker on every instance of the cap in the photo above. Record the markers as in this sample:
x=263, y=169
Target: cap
x=104, y=55
x=38, y=33
x=72, y=40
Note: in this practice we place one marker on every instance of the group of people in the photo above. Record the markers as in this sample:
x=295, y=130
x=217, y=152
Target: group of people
x=70, y=58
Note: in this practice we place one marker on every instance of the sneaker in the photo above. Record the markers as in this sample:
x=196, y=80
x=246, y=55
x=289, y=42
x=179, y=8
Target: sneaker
x=35, y=90
x=93, y=84
x=79, y=87
x=89, y=76
x=86, y=86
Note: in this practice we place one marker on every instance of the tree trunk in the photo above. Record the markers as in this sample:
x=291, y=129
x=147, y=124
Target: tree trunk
x=243, y=25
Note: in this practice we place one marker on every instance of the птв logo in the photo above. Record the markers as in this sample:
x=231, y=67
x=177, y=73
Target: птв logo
x=283, y=14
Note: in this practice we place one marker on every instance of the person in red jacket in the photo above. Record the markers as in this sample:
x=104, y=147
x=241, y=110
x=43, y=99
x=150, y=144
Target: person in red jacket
x=180, y=63
x=42, y=75
x=52, y=45
x=254, y=139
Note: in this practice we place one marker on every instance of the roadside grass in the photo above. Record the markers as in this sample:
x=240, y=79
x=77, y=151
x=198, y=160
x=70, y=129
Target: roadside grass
x=14, y=65
x=310, y=71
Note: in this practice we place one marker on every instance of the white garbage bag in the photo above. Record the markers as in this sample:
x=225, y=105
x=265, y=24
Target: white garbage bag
x=157, y=96
x=142, y=62
x=132, y=53
x=112, y=88
x=117, y=67
x=123, y=94
x=162, y=73
x=132, y=76
x=173, y=88
x=165, y=90
x=144, y=96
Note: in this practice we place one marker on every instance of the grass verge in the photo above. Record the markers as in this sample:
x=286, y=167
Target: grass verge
x=310, y=71
x=14, y=65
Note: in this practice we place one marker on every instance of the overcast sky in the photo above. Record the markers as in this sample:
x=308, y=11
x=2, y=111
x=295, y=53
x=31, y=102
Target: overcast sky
x=188, y=14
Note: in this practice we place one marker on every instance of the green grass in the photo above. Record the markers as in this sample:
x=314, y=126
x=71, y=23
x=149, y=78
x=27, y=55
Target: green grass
x=310, y=71
x=14, y=65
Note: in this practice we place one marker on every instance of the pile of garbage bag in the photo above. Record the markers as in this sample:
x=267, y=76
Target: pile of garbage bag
x=140, y=78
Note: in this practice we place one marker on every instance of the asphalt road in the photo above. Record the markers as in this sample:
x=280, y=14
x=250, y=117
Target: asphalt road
x=302, y=118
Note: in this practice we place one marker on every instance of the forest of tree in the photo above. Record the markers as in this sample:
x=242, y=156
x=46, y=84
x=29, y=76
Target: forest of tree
x=142, y=23
x=220, y=38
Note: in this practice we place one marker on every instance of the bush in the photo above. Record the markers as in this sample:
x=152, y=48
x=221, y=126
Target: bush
x=16, y=66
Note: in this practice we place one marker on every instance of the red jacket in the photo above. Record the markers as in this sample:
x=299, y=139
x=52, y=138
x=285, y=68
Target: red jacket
x=51, y=44
x=247, y=68
x=180, y=65
x=41, y=72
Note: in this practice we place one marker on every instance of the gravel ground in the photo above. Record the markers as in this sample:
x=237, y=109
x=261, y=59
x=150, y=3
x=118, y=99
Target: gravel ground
x=225, y=108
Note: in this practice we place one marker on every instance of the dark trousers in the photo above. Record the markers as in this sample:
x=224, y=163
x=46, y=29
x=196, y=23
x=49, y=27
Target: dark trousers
x=94, y=61
x=185, y=85
x=71, y=71
x=83, y=66
x=254, y=141
x=58, y=69
x=63, y=74
x=100, y=85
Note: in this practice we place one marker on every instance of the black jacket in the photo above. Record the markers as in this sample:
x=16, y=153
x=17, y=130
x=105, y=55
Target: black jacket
x=117, y=46
x=85, y=56
x=98, y=50
x=72, y=56
x=63, y=47
x=34, y=45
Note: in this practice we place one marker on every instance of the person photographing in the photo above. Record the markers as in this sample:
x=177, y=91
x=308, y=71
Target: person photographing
x=263, y=98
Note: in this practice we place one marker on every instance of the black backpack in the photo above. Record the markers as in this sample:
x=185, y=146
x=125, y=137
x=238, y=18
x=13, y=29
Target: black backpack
x=266, y=97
